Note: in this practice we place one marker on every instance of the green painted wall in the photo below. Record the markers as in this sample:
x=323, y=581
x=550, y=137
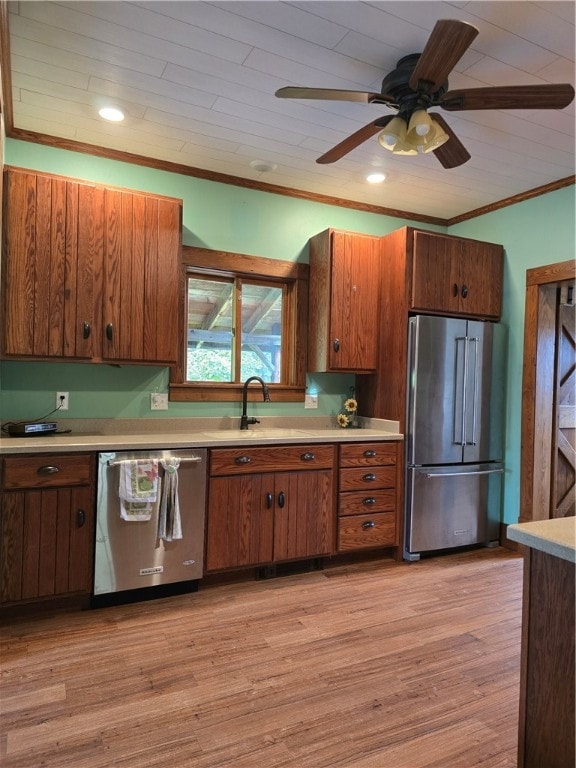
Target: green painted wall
x=537, y=232
x=223, y=217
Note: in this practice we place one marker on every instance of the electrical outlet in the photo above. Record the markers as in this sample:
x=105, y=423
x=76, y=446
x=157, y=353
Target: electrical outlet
x=62, y=401
x=158, y=401
x=311, y=401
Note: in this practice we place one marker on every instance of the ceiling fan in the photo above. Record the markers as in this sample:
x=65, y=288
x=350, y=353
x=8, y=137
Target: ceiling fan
x=418, y=83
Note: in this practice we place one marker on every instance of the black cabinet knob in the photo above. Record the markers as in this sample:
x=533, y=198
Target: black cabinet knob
x=336, y=345
x=242, y=460
x=464, y=291
x=47, y=469
x=369, y=477
x=86, y=330
x=307, y=456
x=367, y=524
x=281, y=499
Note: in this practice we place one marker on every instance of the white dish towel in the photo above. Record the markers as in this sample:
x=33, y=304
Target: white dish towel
x=138, y=489
x=169, y=523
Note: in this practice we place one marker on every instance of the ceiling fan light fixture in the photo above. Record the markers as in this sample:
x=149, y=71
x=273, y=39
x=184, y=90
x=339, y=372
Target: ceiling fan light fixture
x=436, y=138
x=420, y=125
x=393, y=134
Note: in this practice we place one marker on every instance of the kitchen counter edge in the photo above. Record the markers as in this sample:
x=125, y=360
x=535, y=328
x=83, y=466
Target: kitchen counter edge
x=554, y=537
x=75, y=443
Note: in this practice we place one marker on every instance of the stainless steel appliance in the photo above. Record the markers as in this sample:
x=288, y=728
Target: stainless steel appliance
x=454, y=446
x=129, y=554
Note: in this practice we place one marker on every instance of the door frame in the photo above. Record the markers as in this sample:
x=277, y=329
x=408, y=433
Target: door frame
x=537, y=394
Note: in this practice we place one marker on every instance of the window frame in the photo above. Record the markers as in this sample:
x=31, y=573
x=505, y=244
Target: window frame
x=294, y=276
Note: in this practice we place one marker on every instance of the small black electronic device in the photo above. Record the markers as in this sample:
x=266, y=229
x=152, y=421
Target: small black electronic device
x=32, y=429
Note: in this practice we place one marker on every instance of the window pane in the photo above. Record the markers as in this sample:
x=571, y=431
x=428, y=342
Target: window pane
x=261, y=332
x=210, y=325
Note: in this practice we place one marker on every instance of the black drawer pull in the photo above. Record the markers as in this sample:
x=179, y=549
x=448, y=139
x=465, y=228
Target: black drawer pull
x=455, y=290
x=47, y=469
x=464, y=291
x=368, y=524
x=281, y=499
x=369, y=477
x=80, y=518
x=336, y=345
x=308, y=456
x=242, y=459
x=369, y=500
x=370, y=454
x=269, y=500
x=86, y=330
x=109, y=331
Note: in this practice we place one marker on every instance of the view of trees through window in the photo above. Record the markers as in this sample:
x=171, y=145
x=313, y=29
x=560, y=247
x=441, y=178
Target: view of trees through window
x=234, y=329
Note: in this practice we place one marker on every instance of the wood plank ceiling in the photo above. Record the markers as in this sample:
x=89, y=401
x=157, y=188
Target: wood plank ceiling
x=197, y=80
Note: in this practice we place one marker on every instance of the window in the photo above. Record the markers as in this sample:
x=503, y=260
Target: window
x=241, y=316
x=234, y=329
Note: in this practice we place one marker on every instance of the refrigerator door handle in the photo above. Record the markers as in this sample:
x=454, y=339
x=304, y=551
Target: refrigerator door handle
x=460, y=377
x=429, y=475
x=475, y=370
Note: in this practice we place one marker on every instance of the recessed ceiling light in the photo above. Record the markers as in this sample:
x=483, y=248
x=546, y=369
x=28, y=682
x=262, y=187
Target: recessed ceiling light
x=263, y=166
x=113, y=114
x=376, y=178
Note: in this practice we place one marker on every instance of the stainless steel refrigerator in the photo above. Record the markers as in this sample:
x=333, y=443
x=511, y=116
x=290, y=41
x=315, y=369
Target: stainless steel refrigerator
x=454, y=446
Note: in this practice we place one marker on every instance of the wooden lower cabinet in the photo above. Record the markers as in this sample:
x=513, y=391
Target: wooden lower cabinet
x=368, y=504
x=46, y=527
x=271, y=515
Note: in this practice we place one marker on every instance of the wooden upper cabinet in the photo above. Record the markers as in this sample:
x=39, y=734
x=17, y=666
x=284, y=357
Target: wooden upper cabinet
x=52, y=255
x=343, y=306
x=456, y=276
x=90, y=272
x=141, y=278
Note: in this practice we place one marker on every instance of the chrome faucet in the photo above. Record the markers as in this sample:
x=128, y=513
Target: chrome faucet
x=244, y=420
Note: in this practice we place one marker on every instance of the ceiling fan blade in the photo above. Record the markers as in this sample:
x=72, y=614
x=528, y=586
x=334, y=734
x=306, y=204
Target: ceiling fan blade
x=510, y=97
x=329, y=94
x=354, y=140
x=453, y=153
x=446, y=45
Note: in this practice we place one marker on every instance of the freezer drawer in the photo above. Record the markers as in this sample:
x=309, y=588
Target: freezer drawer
x=451, y=506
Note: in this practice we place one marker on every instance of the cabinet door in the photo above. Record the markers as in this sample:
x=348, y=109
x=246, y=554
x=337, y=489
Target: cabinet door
x=141, y=278
x=53, y=253
x=343, y=302
x=240, y=521
x=46, y=543
x=456, y=276
x=354, y=302
x=304, y=518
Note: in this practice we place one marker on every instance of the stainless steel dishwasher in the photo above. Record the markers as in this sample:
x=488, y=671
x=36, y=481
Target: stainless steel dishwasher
x=134, y=558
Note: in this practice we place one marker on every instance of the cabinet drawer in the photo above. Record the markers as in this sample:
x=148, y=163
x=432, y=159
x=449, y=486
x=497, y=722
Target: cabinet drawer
x=367, y=454
x=360, y=531
x=367, y=477
x=47, y=471
x=362, y=503
x=226, y=461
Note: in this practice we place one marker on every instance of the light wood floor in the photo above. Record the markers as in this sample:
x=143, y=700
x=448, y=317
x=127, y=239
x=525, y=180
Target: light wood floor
x=361, y=666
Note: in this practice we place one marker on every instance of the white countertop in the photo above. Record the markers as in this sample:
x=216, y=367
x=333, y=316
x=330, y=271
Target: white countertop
x=156, y=434
x=555, y=537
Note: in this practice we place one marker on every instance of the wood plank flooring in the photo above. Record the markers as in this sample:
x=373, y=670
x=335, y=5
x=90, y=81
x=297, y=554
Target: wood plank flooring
x=364, y=665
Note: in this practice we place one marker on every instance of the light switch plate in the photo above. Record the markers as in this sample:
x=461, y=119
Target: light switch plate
x=311, y=401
